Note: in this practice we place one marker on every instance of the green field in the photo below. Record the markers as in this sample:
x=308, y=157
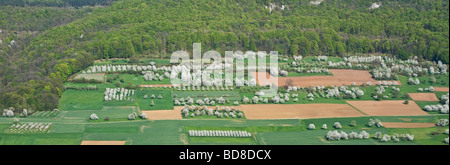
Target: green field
x=71, y=130
x=81, y=100
x=165, y=103
x=230, y=95
x=425, y=82
x=135, y=80
x=71, y=124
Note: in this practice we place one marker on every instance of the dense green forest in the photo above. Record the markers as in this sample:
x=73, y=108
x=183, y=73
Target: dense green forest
x=55, y=3
x=34, y=67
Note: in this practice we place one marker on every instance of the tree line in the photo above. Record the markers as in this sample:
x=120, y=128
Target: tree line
x=55, y=3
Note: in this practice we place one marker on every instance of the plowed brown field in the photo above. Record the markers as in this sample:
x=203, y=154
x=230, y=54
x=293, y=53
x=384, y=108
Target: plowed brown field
x=388, y=108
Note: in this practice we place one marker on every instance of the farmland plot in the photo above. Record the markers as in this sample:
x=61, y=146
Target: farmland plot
x=298, y=111
x=388, y=108
x=100, y=77
x=423, y=96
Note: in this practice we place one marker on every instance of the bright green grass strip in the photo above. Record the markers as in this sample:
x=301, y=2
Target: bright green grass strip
x=81, y=100
x=296, y=74
x=41, y=139
x=408, y=119
x=109, y=129
x=425, y=81
x=423, y=135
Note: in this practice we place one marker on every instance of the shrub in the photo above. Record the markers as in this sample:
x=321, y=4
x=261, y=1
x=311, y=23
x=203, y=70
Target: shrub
x=353, y=124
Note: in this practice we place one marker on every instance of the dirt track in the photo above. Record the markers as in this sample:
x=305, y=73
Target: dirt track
x=102, y=143
x=407, y=125
x=298, y=111
x=388, y=108
x=423, y=96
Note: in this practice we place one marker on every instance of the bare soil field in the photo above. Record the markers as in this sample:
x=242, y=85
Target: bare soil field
x=423, y=96
x=298, y=111
x=103, y=143
x=441, y=89
x=164, y=114
x=304, y=81
x=388, y=108
x=348, y=76
x=407, y=125
x=340, y=77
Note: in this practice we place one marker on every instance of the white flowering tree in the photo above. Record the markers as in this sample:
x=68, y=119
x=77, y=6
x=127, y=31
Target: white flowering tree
x=337, y=125
x=131, y=116
x=93, y=116
x=385, y=138
x=333, y=135
x=9, y=113
x=311, y=126
x=378, y=135
x=442, y=122
x=143, y=115
x=25, y=112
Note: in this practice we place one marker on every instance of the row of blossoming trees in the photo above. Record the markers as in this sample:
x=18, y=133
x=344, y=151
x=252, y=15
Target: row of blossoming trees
x=119, y=94
x=382, y=68
x=218, y=133
x=22, y=128
x=442, y=108
x=219, y=112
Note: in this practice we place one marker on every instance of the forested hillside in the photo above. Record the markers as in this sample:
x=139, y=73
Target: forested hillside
x=33, y=76
x=55, y=3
